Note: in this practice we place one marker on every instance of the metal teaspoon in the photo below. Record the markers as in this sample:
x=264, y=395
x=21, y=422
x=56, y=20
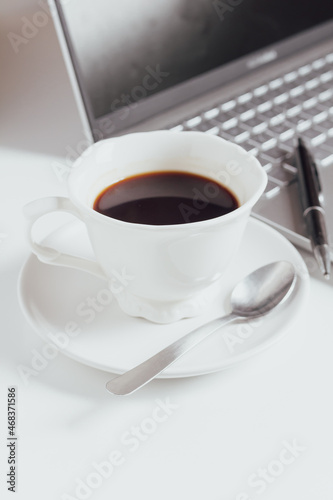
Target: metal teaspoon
x=254, y=296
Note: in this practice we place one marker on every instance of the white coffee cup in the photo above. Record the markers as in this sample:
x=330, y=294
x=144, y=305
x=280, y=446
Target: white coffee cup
x=173, y=270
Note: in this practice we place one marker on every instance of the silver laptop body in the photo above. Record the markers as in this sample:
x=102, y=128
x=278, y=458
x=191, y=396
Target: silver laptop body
x=254, y=72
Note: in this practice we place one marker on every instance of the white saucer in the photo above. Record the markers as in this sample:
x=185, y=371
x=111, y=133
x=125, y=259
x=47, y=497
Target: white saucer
x=56, y=300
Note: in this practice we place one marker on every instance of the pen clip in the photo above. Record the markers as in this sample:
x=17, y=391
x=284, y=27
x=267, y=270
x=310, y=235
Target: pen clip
x=315, y=170
x=317, y=178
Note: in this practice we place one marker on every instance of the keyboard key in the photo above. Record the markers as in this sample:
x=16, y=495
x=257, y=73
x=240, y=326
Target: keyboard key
x=305, y=70
x=276, y=154
x=303, y=124
x=224, y=135
x=280, y=117
x=319, y=63
x=314, y=135
x=247, y=115
x=272, y=93
x=280, y=128
x=320, y=117
x=265, y=106
x=293, y=110
x=266, y=164
x=326, y=77
x=323, y=154
x=275, y=112
x=223, y=117
x=327, y=161
x=288, y=87
x=289, y=166
x=290, y=77
x=281, y=176
x=280, y=99
x=272, y=189
x=250, y=148
x=228, y=105
x=287, y=134
x=314, y=111
x=260, y=99
x=264, y=141
x=268, y=144
x=326, y=126
x=229, y=123
x=308, y=103
x=211, y=113
x=260, y=90
x=290, y=143
x=272, y=156
x=245, y=97
x=238, y=134
x=311, y=84
x=206, y=126
x=213, y=131
x=311, y=92
x=329, y=58
x=329, y=143
x=325, y=86
x=193, y=122
x=274, y=84
x=242, y=108
x=256, y=125
x=296, y=91
x=325, y=95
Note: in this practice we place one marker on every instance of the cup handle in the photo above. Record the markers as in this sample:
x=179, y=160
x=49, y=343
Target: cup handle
x=43, y=206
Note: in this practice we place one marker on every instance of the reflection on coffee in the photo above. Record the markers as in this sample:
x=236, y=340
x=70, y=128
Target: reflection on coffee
x=163, y=198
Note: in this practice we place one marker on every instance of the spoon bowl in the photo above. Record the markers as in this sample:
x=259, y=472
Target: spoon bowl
x=262, y=290
x=256, y=295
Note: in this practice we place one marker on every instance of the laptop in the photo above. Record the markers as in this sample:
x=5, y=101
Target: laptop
x=254, y=72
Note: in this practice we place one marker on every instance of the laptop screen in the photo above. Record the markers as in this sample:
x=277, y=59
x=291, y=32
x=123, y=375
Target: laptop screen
x=125, y=52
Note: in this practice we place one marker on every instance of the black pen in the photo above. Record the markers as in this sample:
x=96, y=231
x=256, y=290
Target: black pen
x=313, y=212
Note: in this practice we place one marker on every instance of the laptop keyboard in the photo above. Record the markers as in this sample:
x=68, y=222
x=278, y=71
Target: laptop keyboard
x=264, y=120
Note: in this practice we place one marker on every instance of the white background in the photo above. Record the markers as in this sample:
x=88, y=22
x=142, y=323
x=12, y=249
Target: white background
x=222, y=428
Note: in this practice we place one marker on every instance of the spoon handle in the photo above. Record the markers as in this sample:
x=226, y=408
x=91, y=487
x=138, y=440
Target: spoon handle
x=141, y=374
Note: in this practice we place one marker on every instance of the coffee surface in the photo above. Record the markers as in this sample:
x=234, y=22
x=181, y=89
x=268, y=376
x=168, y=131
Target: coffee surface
x=164, y=198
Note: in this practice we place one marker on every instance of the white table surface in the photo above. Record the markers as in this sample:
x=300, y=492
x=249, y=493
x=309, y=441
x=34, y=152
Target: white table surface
x=270, y=417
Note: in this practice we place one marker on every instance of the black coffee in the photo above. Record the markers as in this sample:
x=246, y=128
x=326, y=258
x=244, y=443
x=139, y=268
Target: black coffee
x=163, y=198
